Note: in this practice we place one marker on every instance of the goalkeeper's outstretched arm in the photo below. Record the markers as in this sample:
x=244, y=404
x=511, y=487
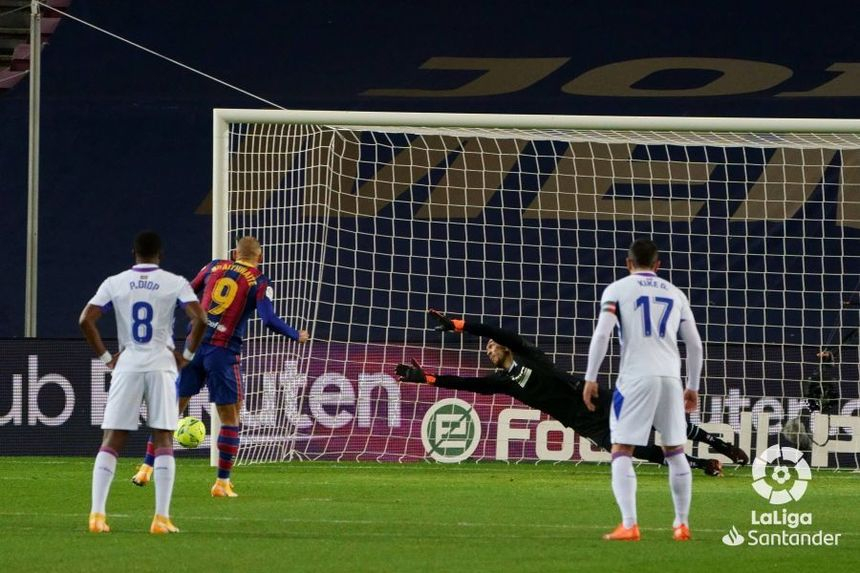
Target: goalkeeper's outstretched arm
x=488, y=385
x=506, y=338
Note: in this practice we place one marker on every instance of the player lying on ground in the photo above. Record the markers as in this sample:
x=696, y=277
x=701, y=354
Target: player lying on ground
x=231, y=290
x=527, y=374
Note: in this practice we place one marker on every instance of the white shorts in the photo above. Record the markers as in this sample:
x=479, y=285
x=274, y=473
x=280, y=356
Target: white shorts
x=641, y=403
x=129, y=389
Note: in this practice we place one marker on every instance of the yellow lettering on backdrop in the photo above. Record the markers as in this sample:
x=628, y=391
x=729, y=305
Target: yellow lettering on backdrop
x=472, y=179
x=846, y=84
x=787, y=181
x=737, y=77
x=587, y=172
x=501, y=76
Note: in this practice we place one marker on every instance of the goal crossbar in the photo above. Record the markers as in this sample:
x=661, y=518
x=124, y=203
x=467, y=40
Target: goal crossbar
x=222, y=116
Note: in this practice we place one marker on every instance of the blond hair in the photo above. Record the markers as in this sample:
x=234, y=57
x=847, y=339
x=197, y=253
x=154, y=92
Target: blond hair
x=248, y=248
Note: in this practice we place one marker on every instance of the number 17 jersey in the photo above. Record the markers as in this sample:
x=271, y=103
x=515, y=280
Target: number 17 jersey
x=649, y=312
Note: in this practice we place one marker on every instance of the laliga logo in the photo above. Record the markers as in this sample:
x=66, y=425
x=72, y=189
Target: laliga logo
x=780, y=475
x=779, y=485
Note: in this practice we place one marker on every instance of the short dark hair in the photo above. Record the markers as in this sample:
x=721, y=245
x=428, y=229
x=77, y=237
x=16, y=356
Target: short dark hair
x=644, y=253
x=147, y=244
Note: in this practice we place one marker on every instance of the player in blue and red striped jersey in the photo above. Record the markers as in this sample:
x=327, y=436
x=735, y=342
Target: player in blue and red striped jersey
x=232, y=290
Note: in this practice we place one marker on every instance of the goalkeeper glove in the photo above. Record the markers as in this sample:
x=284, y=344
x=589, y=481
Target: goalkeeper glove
x=414, y=373
x=445, y=323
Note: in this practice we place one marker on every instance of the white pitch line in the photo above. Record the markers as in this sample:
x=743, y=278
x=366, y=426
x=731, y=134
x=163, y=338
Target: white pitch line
x=350, y=465
x=366, y=522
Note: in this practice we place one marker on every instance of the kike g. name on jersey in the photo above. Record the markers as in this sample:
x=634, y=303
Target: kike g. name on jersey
x=649, y=311
x=144, y=299
x=231, y=290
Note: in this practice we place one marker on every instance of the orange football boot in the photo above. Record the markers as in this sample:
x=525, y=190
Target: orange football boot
x=622, y=533
x=98, y=524
x=161, y=524
x=143, y=475
x=223, y=488
x=681, y=533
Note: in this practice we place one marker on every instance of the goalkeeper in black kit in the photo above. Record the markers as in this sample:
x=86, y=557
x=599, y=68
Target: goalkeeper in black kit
x=524, y=372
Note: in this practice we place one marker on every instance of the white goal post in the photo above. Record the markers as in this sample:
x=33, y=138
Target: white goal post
x=367, y=219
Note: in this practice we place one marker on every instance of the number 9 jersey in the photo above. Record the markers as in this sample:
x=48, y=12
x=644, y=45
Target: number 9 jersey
x=144, y=299
x=231, y=291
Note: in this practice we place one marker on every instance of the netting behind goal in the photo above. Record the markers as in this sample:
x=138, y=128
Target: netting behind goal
x=364, y=228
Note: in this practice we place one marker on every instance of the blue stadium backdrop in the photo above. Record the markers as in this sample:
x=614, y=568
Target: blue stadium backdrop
x=126, y=137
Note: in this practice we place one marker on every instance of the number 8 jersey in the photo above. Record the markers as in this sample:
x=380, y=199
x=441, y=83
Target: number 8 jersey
x=144, y=299
x=650, y=311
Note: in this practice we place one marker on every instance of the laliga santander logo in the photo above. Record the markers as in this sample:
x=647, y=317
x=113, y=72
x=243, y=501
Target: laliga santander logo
x=780, y=484
x=780, y=475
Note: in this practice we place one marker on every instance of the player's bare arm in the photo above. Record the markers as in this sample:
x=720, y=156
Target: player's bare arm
x=87, y=322
x=590, y=394
x=197, y=316
x=691, y=401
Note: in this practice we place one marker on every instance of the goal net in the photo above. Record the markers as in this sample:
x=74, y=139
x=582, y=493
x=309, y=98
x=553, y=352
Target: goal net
x=369, y=219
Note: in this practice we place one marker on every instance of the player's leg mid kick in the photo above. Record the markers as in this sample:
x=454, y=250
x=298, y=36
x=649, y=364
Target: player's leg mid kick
x=218, y=369
x=231, y=290
x=143, y=475
x=191, y=378
x=227, y=404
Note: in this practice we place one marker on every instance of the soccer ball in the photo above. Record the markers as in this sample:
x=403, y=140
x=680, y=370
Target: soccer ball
x=190, y=432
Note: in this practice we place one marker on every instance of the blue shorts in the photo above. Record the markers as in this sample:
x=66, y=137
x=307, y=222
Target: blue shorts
x=214, y=367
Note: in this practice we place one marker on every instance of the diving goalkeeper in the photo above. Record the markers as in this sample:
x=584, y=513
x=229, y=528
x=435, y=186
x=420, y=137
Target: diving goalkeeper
x=524, y=372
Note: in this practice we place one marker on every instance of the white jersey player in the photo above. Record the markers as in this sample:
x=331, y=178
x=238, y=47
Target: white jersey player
x=650, y=313
x=143, y=300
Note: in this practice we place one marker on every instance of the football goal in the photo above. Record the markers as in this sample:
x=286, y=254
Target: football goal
x=369, y=219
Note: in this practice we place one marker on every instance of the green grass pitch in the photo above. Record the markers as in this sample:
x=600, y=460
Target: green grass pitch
x=305, y=516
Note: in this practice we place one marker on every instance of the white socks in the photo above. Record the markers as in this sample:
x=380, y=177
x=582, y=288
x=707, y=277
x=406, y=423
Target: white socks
x=681, y=484
x=624, y=487
x=164, y=471
x=103, y=472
